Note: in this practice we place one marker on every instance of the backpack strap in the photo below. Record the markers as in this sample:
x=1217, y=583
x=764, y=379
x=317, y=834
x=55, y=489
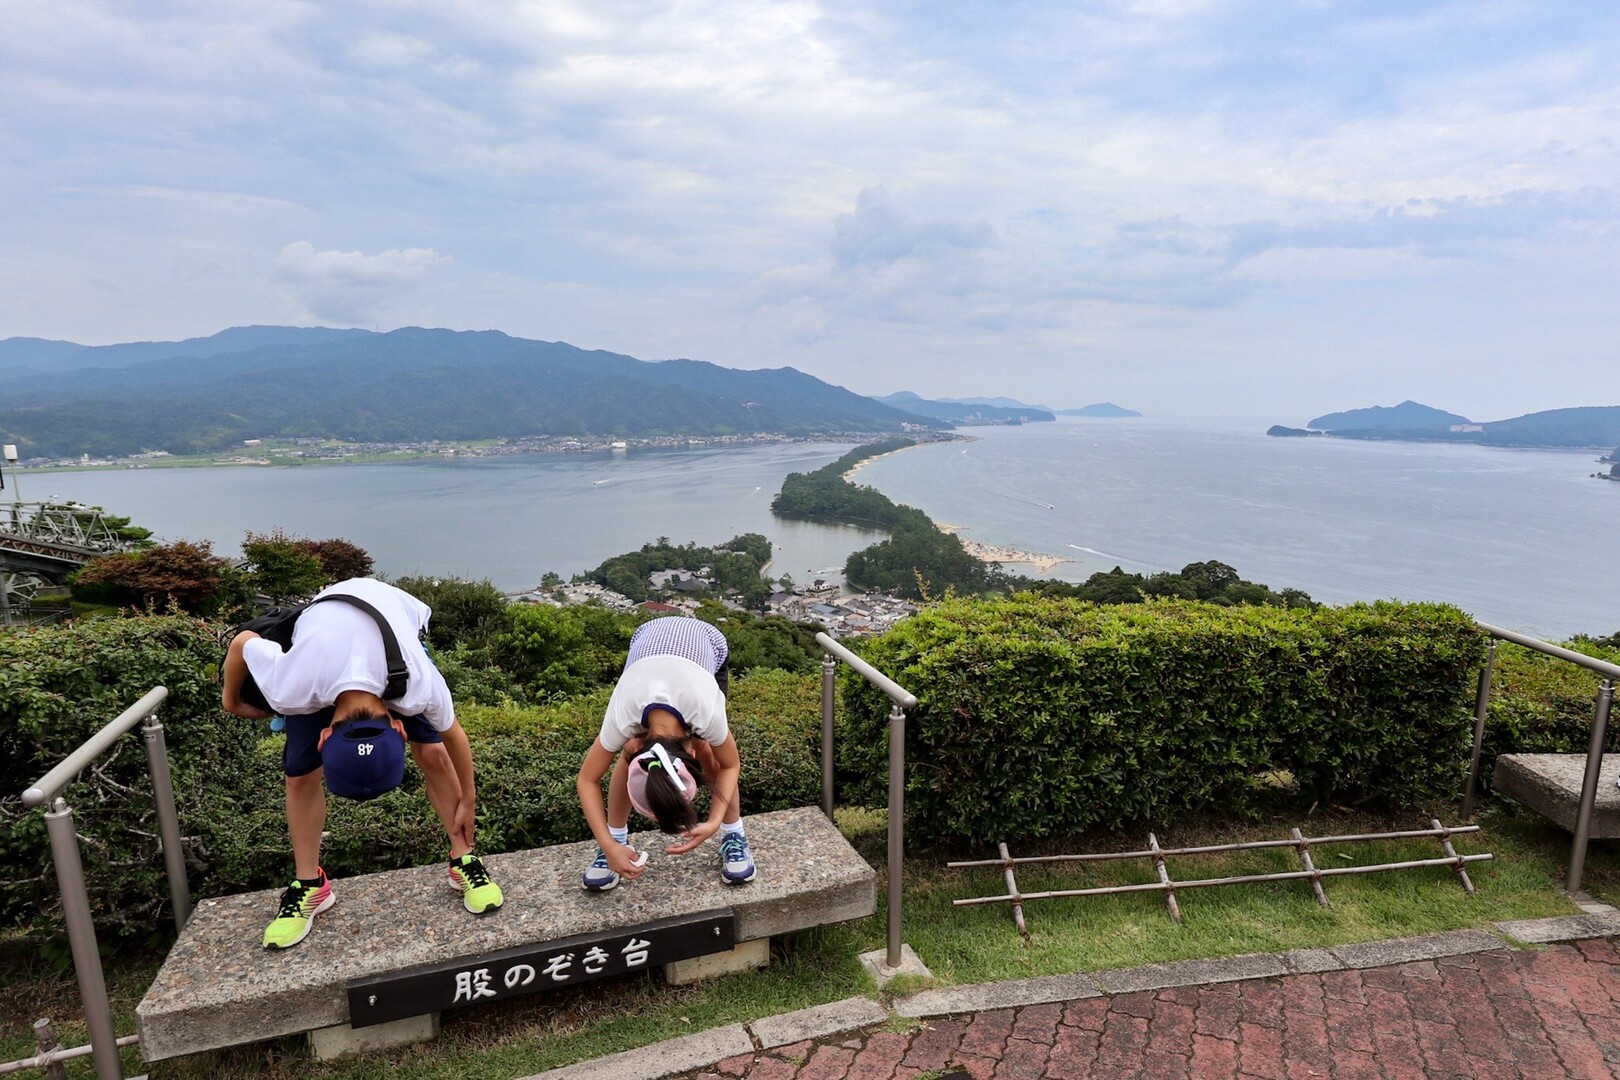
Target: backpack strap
x=398, y=673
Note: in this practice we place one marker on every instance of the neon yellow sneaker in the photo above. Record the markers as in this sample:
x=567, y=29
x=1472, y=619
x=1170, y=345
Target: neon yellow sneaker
x=479, y=894
x=299, y=906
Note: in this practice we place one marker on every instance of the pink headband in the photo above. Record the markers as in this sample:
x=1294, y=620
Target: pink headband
x=657, y=758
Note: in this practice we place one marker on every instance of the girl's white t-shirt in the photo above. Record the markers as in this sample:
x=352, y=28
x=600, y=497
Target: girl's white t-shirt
x=665, y=680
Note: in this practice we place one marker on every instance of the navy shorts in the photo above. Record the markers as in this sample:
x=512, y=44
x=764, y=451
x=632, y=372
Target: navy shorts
x=300, y=757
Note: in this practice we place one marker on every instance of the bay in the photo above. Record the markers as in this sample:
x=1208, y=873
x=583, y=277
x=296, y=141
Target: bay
x=1521, y=538
x=1525, y=539
x=508, y=519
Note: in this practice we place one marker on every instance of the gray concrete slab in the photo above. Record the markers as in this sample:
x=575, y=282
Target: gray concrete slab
x=1562, y=928
x=818, y=1022
x=1405, y=950
x=661, y=1059
x=1550, y=785
x=219, y=987
x=1012, y=993
x=1190, y=973
x=876, y=964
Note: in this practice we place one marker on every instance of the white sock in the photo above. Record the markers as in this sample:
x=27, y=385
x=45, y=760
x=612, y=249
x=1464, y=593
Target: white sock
x=621, y=834
x=730, y=828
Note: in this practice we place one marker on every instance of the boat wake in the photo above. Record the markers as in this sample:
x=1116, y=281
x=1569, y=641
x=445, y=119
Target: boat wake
x=1093, y=551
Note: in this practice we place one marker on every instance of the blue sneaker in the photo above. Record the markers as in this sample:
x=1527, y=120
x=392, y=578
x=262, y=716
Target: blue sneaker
x=599, y=876
x=736, y=864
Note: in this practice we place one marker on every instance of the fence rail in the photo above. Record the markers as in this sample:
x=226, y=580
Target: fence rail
x=1594, y=749
x=1301, y=844
x=902, y=699
x=69, y=866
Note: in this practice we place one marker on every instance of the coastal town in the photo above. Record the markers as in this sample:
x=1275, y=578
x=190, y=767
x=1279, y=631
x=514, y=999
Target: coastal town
x=822, y=602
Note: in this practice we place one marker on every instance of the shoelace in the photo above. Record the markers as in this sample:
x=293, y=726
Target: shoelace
x=473, y=870
x=733, y=848
x=292, y=901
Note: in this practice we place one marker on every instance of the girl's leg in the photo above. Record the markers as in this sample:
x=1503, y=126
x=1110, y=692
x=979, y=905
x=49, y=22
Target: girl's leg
x=618, y=804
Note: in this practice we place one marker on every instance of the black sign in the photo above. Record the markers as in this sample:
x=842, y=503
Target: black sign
x=530, y=969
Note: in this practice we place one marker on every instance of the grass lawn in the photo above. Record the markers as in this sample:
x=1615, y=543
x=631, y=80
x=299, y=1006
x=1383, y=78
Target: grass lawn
x=960, y=944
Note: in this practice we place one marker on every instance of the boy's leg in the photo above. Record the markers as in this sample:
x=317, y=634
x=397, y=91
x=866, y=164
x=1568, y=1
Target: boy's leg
x=306, y=818
x=306, y=790
x=443, y=787
x=311, y=893
x=479, y=894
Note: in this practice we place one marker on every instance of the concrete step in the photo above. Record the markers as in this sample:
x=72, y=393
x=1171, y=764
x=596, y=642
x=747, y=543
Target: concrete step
x=1550, y=784
x=219, y=987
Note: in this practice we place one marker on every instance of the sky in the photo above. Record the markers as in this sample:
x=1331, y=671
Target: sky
x=1269, y=208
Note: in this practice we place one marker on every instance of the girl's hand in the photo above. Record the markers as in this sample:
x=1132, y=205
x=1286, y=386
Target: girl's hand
x=691, y=838
x=624, y=861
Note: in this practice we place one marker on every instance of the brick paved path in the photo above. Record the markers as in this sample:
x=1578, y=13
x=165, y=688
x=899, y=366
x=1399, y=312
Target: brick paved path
x=1551, y=1013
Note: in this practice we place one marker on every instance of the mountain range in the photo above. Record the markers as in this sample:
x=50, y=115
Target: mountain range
x=205, y=394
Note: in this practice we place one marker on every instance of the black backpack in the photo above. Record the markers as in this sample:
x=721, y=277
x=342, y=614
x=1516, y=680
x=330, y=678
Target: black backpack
x=277, y=625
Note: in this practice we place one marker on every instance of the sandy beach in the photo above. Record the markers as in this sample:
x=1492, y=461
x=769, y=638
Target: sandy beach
x=995, y=553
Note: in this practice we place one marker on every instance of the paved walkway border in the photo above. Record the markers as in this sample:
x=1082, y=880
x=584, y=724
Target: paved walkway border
x=674, y=1056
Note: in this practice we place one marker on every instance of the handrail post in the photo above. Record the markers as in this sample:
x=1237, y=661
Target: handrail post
x=1594, y=761
x=829, y=674
x=1481, y=706
x=174, y=860
x=897, y=821
x=81, y=929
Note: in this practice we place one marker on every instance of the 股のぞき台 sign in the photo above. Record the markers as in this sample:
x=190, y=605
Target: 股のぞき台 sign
x=530, y=969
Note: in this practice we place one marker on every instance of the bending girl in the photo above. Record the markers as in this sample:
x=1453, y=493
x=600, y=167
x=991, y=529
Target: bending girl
x=666, y=727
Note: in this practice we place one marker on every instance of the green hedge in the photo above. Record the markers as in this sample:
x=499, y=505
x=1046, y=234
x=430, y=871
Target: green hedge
x=1042, y=717
x=1543, y=705
x=58, y=685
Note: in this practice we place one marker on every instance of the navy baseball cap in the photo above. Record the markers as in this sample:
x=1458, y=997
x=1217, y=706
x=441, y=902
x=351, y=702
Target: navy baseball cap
x=363, y=759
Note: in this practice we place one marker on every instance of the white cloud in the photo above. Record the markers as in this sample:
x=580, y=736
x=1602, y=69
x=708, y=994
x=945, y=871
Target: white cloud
x=350, y=288
x=853, y=187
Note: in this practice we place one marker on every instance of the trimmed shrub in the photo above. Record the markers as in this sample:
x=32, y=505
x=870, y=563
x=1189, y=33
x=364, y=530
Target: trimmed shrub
x=1041, y=717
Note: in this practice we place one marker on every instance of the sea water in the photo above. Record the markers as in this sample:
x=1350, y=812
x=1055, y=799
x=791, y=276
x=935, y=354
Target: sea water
x=1526, y=539
x=508, y=519
x=1522, y=538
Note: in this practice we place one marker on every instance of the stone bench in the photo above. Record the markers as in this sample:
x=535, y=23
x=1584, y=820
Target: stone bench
x=1550, y=784
x=218, y=987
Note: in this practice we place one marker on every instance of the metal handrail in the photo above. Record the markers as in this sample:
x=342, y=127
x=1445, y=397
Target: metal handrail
x=902, y=700
x=69, y=864
x=1602, y=667
x=1594, y=749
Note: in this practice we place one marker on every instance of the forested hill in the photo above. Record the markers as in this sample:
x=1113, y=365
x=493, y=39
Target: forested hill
x=1585, y=426
x=410, y=384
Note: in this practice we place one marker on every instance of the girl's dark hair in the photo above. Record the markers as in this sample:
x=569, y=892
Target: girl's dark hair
x=671, y=809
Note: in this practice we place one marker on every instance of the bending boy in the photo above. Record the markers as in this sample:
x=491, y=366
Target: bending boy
x=340, y=730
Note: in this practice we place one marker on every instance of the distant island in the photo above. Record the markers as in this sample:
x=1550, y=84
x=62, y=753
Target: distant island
x=1582, y=427
x=966, y=413
x=1105, y=409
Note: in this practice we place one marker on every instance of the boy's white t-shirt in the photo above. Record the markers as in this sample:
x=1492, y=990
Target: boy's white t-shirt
x=665, y=680
x=337, y=647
